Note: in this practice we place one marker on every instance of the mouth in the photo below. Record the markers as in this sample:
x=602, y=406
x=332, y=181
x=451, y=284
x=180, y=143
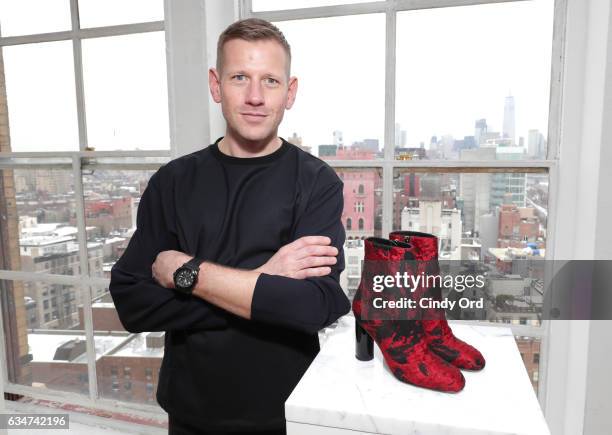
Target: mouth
x=254, y=116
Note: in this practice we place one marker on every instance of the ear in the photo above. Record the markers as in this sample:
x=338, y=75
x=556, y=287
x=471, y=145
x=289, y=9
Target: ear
x=292, y=92
x=214, y=83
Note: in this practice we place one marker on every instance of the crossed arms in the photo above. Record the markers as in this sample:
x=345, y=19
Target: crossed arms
x=298, y=287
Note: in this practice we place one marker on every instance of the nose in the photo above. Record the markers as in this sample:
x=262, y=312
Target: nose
x=255, y=93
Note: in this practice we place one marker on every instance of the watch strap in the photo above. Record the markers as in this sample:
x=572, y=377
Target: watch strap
x=194, y=263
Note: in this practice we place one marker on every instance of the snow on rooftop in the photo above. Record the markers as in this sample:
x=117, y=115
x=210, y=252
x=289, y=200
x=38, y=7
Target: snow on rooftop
x=43, y=345
x=138, y=348
x=114, y=240
x=103, y=305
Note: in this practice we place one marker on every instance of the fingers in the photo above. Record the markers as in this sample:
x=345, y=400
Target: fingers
x=310, y=262
x=315, y=250
x=310, y=240
x=312, y=272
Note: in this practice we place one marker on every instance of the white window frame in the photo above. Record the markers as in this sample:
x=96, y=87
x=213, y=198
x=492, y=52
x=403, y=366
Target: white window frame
x=192, y=27
x=388, y=164
x=76, y=161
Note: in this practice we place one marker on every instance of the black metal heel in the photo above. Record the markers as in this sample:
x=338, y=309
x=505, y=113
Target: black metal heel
x=364, y=345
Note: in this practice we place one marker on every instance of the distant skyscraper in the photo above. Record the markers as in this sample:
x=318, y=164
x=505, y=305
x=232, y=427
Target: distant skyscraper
x=536, y=145
x=400, y=136
x=475, y=189
x=509, y=122
x=480, y=130
x=338, y=140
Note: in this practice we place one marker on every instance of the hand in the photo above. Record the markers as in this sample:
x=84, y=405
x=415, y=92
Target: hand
x=165, y=265
x=305, y=257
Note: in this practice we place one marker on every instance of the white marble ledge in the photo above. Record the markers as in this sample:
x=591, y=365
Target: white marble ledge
x=338, y=393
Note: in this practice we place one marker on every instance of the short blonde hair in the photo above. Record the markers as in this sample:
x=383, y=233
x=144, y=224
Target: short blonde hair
x=252, y=29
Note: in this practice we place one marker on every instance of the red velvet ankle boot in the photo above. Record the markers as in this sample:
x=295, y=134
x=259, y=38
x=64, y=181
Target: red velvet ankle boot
x=438, y=333
x=402, y=342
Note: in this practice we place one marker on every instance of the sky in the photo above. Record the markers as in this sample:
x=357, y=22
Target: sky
x=454, y=65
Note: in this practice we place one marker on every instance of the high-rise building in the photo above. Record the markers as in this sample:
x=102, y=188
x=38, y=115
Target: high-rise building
x=400, y=135
x=509, y=119
x=480, y=130
x=338, y=140
x=467, y=143
x=509, y=187
x=475, y=189
x=536, y=145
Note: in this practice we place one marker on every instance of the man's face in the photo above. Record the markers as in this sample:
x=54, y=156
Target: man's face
x=253, y=88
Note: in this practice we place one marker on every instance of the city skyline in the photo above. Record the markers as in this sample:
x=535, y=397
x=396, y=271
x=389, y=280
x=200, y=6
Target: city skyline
x=442, y=86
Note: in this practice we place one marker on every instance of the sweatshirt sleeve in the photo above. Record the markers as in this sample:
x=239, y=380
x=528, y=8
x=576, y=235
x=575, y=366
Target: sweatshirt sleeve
x=308, y=304
x=142, y=303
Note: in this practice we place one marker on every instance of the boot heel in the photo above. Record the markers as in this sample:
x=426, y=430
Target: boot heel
x=364, y=345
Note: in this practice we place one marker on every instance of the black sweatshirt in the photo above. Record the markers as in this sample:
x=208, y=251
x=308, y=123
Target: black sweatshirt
x=221, y=371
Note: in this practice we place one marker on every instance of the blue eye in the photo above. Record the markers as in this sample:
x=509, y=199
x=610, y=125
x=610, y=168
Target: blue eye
x=239, y=77
x=271, y=81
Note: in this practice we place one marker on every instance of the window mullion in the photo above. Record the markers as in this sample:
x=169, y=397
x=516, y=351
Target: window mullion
x=389, y=145
x=556, y=80
x=85, y=290
x=77, y=51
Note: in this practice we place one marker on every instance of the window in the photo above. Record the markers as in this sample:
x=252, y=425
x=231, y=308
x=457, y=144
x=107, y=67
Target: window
x=408, y=121
x=102, y=89
x=341, y=44
x=456, y=151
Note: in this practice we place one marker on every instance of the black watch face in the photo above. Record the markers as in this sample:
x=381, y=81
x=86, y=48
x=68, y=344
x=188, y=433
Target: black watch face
x=184, y=278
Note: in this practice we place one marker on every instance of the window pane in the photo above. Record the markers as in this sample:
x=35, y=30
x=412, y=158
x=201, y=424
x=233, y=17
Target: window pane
x=499, y=210
x=274, y=5
x=474, y=77
x=42, y=221
x=24, y=17
x=46, y=347
x=362, y=218
x=41, y=96
x=498, y=219
x=126, y=92
x=340, y=99
x=111, y=205
x=130, y=371
x=529, y=347
x=97, y=13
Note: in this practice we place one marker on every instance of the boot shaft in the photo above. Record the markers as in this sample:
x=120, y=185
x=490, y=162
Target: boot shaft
x=425, y=245
x=382, y=257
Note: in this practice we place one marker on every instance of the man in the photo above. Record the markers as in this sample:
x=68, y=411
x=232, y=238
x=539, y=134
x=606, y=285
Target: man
x=258, y=221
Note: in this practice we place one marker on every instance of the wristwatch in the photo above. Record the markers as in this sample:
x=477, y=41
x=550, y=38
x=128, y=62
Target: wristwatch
x=186, y=276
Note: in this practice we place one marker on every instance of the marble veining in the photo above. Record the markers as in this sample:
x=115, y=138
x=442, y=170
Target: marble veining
x=338, y=391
